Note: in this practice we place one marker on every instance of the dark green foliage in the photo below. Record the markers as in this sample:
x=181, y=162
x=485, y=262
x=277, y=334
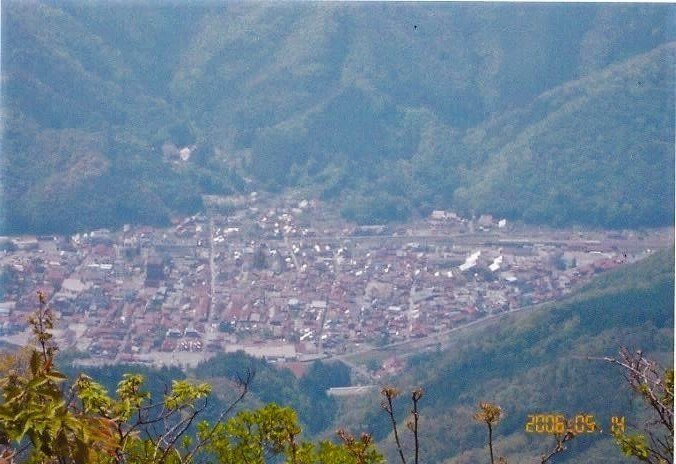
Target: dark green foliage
x=306, y=395
x=390, y=109
x=596, y=151
x=313, y=385
x=378, y=208
x=322, y=376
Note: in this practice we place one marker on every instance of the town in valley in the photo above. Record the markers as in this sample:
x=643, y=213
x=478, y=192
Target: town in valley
x=288, y=280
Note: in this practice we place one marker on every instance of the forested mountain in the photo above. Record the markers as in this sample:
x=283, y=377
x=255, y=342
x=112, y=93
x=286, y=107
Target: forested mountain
x=538, y=363
x=388, y=109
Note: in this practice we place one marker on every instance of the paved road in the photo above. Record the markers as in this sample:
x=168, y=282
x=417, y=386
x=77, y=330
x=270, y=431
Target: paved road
x=212, y=270
x=412, y=347
x=629, y=245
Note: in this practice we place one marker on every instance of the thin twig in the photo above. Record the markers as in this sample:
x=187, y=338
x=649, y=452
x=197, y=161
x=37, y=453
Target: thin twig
x=244, y=384
x=415, y=397
x=389, y=393
x=559, y=448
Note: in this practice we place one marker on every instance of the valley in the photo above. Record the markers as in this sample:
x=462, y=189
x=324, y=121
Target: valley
x=289, y=280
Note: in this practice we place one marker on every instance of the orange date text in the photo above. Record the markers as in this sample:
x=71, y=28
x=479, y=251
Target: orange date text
x=554, y=423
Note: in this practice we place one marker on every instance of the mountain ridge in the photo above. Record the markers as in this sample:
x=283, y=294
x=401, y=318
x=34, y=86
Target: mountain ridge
x=356, y=102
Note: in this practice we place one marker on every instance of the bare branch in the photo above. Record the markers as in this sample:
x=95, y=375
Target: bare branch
x=415, y=398
x=388, y=405
x=244, y=383
x=646, y=378
x=656, y=386
x=178, y=430
x=559, y=447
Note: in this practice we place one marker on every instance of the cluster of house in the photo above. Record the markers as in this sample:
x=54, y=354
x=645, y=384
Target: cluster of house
x=289, y=279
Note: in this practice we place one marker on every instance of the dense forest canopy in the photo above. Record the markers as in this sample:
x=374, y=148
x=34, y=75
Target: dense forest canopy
x=557, y=113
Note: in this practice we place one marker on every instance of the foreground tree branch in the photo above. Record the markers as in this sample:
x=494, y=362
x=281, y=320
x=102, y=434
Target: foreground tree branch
x=489, y=414
x=656, y=386
x=389, y=394
x=559, y=447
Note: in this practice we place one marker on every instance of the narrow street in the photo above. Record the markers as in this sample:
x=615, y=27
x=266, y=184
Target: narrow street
x=212, y=270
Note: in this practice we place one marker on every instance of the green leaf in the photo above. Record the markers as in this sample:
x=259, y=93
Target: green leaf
x=56, y=376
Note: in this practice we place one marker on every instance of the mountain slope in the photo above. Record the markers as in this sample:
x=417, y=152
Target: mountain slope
x=597, y=150
x=370, y=104
x=532, y=363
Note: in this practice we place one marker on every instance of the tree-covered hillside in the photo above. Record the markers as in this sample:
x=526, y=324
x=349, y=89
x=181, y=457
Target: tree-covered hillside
x=390, y=109
x=597, y=150
x=537, y=363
